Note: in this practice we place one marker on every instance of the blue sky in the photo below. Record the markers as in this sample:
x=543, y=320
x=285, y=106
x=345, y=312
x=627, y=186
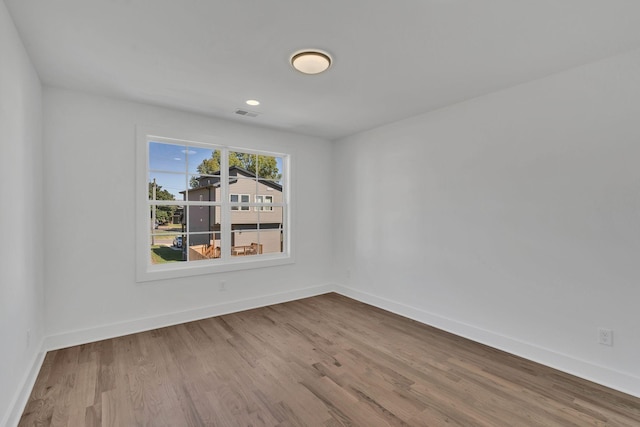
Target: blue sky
x=173, y=161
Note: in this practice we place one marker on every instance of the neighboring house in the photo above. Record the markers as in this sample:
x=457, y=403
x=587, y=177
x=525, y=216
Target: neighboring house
x=255, y=229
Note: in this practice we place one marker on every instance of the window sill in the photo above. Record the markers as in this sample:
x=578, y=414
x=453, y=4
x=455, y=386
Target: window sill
x=178, y=270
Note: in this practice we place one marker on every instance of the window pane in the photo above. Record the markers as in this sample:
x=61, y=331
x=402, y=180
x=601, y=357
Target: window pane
x=203, y=161
x=163, y=216
x=257, y=232
x=269, y=167
x=270, y=215
x=204, y=188
x=166, y=247
x=259, y=165
x=241, y=184
x=243, y=233
x=204, y=246
x=168, y=186
x=204, y=181
x=270, y=228
x=271, y=241
x=270, y=185
x=203, y=218
x=245, y=161
x=167, y=157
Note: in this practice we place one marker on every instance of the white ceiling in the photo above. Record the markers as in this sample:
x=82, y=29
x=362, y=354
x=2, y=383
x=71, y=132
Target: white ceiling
x=392, y=59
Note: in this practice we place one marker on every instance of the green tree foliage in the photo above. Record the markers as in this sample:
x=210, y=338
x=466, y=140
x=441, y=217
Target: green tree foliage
x=163, y=213
x=263, y=166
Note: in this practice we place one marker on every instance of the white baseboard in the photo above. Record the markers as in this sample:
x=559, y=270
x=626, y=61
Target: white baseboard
x=83, y=336
x=12, y=417
x=620, y=381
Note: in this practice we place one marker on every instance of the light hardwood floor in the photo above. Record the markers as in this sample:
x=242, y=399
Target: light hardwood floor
x=321, y=361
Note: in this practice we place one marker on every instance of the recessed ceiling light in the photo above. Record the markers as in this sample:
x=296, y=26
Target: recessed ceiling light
x=253, y=102
x=311, y=61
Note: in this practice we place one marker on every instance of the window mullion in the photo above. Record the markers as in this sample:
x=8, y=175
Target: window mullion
x=225, y=210
x=187, y=208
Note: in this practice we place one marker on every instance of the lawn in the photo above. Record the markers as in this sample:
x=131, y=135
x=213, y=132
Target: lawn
x=164, y=254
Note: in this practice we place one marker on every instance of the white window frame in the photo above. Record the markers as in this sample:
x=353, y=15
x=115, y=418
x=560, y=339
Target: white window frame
x=145, y=271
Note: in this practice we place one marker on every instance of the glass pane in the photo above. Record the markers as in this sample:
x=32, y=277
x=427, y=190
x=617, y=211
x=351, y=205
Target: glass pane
x=203, y=161
x=204, y=188
x=269, y=167
x=271, y=241
x=243, y=234
x=242, y=184
x=258, y=165
x=164, y=217
x=270, y=215
x=204, y=246
x=167, y=157
x=274, y=184
x=166, y=247
x=204, y=180
x=245, y=161
x=168, y=186
x=270, y=227
x=177, y=224
x=203, y=218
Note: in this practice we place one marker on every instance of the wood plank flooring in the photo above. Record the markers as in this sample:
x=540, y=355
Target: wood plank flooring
x=321, y=361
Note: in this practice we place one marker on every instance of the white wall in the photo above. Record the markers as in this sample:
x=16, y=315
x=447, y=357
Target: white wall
x=90, y=216
x=513, y=219
x=21, y=291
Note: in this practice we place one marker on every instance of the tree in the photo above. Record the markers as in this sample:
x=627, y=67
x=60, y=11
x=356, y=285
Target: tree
x=163, y=213
x=262, y=166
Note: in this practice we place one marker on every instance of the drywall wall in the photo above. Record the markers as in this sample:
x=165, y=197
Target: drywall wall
x=90, y=146
x=21, y=290
x=513, y=219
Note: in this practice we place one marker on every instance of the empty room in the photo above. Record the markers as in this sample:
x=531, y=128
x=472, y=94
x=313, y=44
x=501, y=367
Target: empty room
x=328, y=213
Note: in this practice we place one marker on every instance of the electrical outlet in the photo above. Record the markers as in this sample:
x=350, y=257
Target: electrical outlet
x=605, y=336
x=223, y=285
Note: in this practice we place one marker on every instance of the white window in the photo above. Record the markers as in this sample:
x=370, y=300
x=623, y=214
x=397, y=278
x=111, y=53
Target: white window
x=264, y=200
x=195, y=200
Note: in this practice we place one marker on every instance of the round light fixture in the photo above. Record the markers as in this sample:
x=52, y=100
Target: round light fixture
x=311, y=61
x=253, y=102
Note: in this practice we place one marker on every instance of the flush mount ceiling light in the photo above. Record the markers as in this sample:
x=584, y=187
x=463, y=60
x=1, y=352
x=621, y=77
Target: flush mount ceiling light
x=253, y=102
x=311, y=61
